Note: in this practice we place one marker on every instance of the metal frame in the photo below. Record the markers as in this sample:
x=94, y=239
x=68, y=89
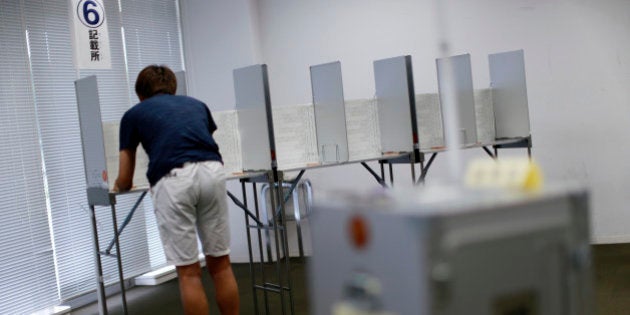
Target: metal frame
x=521, y=143
x=277, y=226
x=100, y=281
x=412, y=158
x=98, y=253
x=424, y=169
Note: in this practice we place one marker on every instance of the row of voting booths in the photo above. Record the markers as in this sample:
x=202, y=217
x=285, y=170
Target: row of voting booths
x=260, y=142
x=335, y=130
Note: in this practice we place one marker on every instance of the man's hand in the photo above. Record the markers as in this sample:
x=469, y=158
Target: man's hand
x=126, y=166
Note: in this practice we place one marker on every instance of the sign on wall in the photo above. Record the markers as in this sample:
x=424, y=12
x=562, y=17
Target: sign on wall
x=91, y=39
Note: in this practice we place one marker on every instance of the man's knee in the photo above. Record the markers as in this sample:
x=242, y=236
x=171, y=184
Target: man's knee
x=218, y=264
x=193, y=270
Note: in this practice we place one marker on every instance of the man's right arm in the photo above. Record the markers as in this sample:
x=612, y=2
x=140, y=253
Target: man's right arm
x=126, y=166
x=128, y=143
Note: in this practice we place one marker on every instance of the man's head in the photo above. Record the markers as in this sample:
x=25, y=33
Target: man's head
x=154, y=80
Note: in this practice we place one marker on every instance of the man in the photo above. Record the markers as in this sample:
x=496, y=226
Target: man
x=187, y=184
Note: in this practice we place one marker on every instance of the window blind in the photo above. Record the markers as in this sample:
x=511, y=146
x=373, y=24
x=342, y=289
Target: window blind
x=77, y=271
x=45, y=232
x=27, y=267
x=140, y=244
x=53, y=74
x=152, y=35
x=45, y=223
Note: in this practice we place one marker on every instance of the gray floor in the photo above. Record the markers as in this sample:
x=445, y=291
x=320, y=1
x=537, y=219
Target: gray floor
x=612, y=279
x=164, y=299
x=611, y=271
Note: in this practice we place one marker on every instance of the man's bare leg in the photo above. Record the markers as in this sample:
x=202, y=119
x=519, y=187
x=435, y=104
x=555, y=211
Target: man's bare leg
x=191, y=289
x=226, y=289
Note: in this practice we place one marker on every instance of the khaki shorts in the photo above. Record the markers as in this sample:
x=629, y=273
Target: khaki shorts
x=191, y=201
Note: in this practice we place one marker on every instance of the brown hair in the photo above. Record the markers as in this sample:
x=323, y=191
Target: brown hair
x=155, y=79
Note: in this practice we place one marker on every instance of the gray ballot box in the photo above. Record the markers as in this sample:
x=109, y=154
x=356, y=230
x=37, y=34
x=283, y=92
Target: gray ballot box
x=452, y=251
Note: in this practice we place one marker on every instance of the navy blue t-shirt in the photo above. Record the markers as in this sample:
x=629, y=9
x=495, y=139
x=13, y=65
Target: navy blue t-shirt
x=173, y=130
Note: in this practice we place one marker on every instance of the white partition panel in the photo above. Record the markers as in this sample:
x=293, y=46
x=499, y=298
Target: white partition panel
x=484, y=113
x=396, y=104
x=464, y=99
x=509, y=93
x=89, y=107
x=228, y=139
x=429, y=117
x=294, y=131
x=255, y=123
x=330, y=115
x=364, y=141
x=111, y=133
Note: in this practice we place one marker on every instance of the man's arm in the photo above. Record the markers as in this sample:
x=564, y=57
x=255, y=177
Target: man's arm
x=126, y=166
x=212, y=126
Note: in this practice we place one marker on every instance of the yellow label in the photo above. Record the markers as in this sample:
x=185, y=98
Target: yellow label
x=506, y=173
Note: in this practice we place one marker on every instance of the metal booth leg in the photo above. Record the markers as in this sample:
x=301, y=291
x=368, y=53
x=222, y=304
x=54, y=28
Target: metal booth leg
x=425, y=170
x=285, y=245
x=391, y=174
x=260, y=250
x=298, y=217
x=275, y=196
x=100, y=282
x=267, y=189
x=494, y=156
x=252, y=271
x=413, y=171
x=119, y=261
x=382, y=171
x=421, y=178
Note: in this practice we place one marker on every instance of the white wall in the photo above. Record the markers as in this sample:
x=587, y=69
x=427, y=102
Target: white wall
x=218, y=36
x=577, y=65
x=297, y=34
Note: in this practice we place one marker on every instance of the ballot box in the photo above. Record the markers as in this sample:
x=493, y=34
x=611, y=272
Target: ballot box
x=446, y=250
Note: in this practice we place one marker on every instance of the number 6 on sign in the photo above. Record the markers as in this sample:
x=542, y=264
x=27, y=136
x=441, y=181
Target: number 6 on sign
x=90, y=13
x=91, y=38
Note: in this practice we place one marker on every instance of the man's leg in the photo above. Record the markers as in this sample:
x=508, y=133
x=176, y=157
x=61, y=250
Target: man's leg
x=175, y=214
x=191, y=290
x=224, y=284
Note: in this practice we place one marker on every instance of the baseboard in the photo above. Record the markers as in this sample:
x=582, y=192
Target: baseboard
x=615, y=239
x=161, y=275
x=54, y=310
x=156, y=277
